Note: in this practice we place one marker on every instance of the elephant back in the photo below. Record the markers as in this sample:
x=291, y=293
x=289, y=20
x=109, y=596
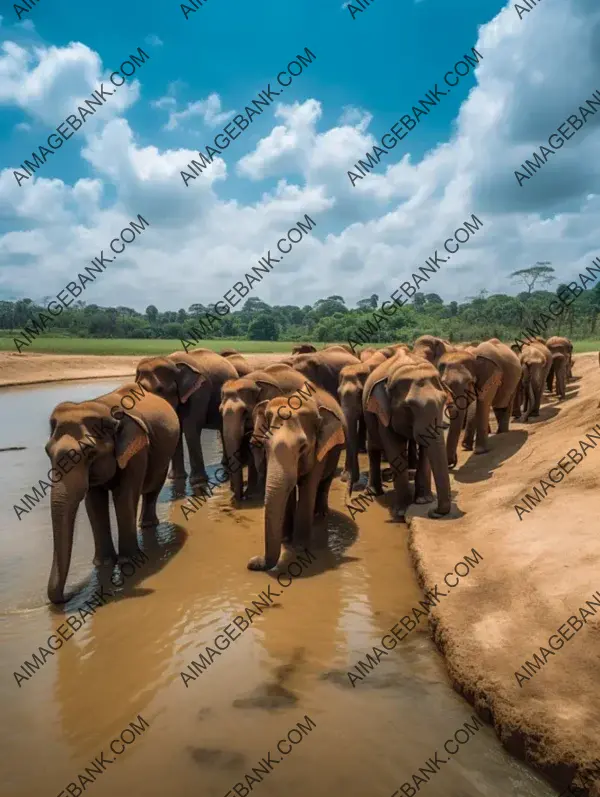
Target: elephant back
x=509, y=369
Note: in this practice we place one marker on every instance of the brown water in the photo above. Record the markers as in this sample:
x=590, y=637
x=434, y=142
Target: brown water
x=201, y=740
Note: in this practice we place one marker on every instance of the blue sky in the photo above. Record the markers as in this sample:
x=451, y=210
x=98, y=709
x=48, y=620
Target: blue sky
x=293, y=160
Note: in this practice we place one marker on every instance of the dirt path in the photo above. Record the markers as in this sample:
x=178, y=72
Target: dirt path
x=26, y=369
x=536, y=573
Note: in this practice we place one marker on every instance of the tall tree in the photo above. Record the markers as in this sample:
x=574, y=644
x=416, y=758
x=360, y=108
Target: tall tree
x=542, y=272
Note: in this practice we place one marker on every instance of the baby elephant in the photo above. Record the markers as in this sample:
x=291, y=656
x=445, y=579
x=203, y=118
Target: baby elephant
x=302, y=449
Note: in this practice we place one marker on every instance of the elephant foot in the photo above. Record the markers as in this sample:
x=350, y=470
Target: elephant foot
x=452, y=461
x=321, y=508
x=362, y=449
x=467, y=446
x=398, y=514
x=198, y=478
x=481, y=449
x=259, y=563
x=427, y=498
x=104, y=560
x=375, y=489
x=177, y=475
x=438, y=512
x=127, y=554
x=523, y=418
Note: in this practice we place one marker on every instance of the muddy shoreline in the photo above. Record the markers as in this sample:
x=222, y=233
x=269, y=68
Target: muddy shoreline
x=536, y=572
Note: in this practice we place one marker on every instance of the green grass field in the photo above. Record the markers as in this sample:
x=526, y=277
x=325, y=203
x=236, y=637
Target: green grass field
x=134, y=347
x=143, y=347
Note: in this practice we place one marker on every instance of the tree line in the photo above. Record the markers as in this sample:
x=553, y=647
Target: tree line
x=330, y=319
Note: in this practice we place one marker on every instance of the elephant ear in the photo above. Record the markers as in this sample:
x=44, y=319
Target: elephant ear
x=131, y=437
x=269, y=389
x=331, y=433
x=189, y=379
x=377, y=401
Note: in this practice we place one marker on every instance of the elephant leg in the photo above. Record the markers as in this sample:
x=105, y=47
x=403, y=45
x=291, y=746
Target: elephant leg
x=423, y=494
x=149, y=516
x=305, y=507
x=253, y=486
x=96, y=504
x=177, y=464
x=192, y=438
x=126, y=497
x=436, y=452
x=322, y=502
x=396, y=449
x=470, y=425
x=482, y=414
x=374, y=483
x=503, y=417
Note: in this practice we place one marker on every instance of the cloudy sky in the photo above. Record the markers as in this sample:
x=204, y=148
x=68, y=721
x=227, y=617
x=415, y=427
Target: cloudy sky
x=293, y=160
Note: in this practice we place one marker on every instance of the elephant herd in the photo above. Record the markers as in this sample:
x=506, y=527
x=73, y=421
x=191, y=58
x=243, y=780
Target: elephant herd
x=385, y=400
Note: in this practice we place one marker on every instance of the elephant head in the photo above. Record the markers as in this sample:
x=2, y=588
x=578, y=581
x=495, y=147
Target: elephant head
x=406, y=395
x=293, y=447
x=303, y=348
x=429, y=347
x=88, y=446
x=238, y=400
x=323, y=367
x=175, y=378
x=350, y=391
x=459, y=377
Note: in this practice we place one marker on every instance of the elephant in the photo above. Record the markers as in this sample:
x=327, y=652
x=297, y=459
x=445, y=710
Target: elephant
x=130, y=457
x=191, y=382
x=366, y=353
x=429, y=347
x=350, y=391
x=323, y=367
x=239, y=362
x=403, y=399
x=498, y=374
x=536, y=361
x=459, y=376
x=564, y=346
x=238, y=400
x=303, y=348
x=338, y=346
x=303, y=453
x=559, y=369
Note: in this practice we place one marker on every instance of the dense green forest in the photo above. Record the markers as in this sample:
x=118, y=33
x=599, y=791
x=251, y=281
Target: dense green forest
x=329, y=319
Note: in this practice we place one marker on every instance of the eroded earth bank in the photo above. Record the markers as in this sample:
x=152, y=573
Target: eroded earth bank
x=539, y=569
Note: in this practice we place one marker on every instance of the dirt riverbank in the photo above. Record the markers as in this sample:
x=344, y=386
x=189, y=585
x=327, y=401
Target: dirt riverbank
x=29, y=369
x=537, y=572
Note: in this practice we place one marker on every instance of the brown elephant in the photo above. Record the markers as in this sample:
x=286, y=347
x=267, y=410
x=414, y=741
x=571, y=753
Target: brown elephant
x=303, y=348
x=498, y=374
x=429, y=347
x=403, y=400
x=238, y=400
x=338, y=346
x=459, y=376
x=126, y=451
x=302, y=452
x=536, y=362
x=563, y=346
x=366, y=353
x=191, y=382
x=323, y=367
x=350, y=391
x=239, y=362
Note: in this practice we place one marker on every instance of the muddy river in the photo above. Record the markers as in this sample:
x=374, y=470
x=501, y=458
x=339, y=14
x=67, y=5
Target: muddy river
x=202, y=735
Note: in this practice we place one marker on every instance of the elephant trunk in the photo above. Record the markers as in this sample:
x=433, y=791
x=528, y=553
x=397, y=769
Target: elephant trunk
x=64, y=502
x=281, y=480
x=233, y=436
x=457, y=419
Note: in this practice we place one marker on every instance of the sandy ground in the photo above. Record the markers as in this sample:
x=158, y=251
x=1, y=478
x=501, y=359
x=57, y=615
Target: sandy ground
x=537, y=572
x=26, y=369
